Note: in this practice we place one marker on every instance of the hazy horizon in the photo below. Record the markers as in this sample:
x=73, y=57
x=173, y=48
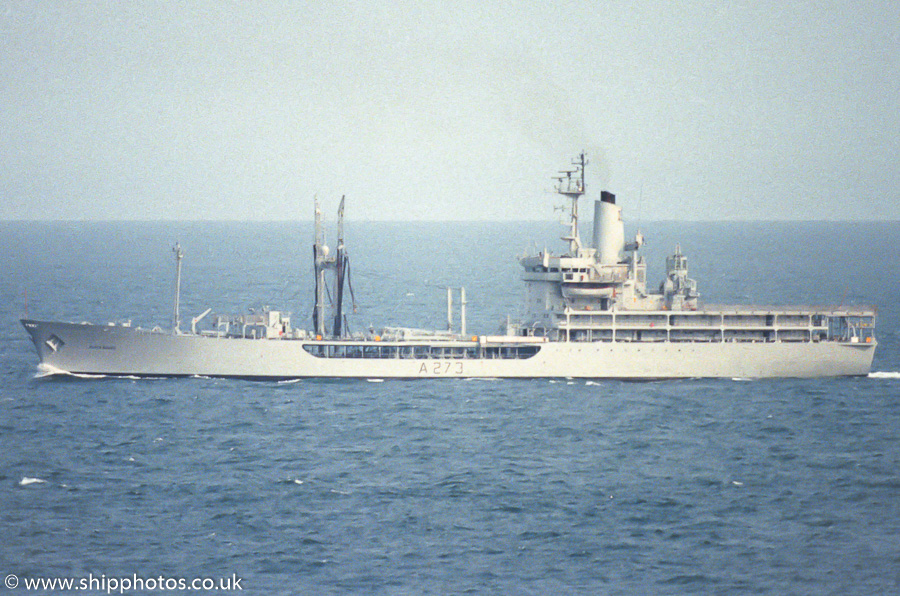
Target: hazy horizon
x=329, y=222
x=436, y=111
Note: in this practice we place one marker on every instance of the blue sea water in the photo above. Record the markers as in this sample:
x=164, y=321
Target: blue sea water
x=455, y=486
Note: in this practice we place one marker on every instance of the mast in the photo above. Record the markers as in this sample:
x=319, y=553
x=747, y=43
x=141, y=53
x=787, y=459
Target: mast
x=320, y=254
x=572, y=185
x=176, y=319
x=339, y=270
x=462, y=311
x=339, y=264
x=449, y=309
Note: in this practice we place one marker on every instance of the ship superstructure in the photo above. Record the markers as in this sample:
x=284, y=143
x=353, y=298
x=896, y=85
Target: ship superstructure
x=588, y=313
x=599, y=293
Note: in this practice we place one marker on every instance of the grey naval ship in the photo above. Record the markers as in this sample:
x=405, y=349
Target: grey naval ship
x=588, y=314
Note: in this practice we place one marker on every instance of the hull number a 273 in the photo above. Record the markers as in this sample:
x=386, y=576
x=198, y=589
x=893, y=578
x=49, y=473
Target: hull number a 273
x=440, y=367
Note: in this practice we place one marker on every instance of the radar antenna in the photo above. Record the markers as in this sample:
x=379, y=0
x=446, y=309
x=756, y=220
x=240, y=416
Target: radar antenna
x=572, y=185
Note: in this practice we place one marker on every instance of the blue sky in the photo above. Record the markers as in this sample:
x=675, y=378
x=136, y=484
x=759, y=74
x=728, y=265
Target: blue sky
x=448, y=110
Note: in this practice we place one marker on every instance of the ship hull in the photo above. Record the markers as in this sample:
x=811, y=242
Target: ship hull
x=119, y=350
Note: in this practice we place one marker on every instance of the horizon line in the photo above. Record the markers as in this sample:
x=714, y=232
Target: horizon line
x=430, y=221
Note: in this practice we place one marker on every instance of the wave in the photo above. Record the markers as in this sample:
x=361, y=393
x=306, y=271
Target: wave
x=48, y=370
x=884, y=375
x=26, y=480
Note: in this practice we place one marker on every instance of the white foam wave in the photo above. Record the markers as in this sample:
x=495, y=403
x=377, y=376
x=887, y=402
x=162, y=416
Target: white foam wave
x=45, y=370
x=288, y=381
x=48, y=370
x=742, y=379
x=26, y=480
x=375, y=380
x=881, y=374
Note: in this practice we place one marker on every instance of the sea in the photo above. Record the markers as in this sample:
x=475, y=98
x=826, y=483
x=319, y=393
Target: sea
x=561, y=486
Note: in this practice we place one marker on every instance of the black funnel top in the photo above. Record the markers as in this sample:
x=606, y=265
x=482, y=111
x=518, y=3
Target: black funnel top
x=608, y=197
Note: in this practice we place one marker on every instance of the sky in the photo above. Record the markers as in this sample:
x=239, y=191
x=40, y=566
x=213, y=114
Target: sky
x=447, y=110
